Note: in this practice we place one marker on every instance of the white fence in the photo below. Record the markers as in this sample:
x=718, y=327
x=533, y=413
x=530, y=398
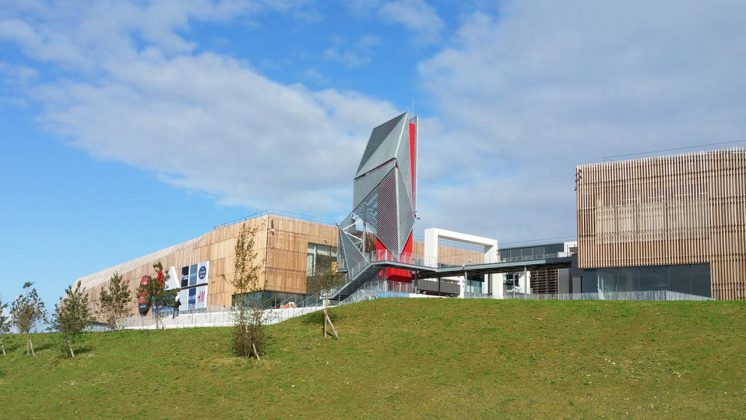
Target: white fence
x=217, y=317
x=659, y=295
x=380, y=289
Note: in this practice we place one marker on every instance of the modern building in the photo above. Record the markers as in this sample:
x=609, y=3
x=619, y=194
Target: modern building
x=542, y=280
x=380, y=225
x=674, y=223
x=664, y=223
x=289, y=250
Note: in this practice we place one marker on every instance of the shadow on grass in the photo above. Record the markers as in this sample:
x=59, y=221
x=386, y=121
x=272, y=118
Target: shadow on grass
x=42, y=347
x=317, y=318
x=11, y=347
x=82, y=349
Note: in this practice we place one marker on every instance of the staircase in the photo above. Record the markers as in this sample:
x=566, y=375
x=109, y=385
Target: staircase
x=369, y=272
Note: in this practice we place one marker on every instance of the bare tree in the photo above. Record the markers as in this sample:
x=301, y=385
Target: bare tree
x=154, y=291
x=323, y=282
x=4, y=324
x=248, y=338
x=115, y=301
x=27, y=311
x=72, y=315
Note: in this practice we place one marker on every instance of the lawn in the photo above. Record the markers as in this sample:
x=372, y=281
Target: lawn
x=406, y=358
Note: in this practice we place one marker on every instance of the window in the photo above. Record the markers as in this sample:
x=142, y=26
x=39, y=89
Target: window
x=192, y=274
x=319, y=258
x=184, y=277
x=692, y=279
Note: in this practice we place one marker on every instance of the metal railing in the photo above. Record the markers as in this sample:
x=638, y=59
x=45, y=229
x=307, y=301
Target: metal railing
x=456, y=260
x=657, y=295
x=220, y=316
x=380, y=289
x=278, y=213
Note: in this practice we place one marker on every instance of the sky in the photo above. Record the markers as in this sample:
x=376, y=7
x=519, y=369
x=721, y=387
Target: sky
x=129, y=126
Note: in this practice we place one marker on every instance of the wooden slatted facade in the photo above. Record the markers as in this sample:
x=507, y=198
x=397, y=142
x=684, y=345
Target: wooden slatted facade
x=685, y=209
x=281, y=245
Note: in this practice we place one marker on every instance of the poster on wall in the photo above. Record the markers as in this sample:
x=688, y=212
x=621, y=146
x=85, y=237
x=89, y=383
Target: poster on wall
x=194, y=283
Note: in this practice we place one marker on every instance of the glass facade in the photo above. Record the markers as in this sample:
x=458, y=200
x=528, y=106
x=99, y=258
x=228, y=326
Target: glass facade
x=269, y=299
x=524, y=253
x=319, y=258
x=473, y=286
x=693, y=279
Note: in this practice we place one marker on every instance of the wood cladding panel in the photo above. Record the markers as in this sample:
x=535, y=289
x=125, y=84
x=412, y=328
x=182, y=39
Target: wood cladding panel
x=545, y=281
x=685, y=209
x=281, y=247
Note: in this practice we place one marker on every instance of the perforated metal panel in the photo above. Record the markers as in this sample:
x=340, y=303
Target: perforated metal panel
x=387, y=223
x=364, y=184
x=405, y=214
x=353, y=257
x=404, y=163
x=368, y=210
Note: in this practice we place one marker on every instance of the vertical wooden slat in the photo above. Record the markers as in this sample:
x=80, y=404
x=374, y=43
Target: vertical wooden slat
x=684, y=209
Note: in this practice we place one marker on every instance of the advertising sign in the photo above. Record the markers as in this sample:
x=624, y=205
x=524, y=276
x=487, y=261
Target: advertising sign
x=194, y=282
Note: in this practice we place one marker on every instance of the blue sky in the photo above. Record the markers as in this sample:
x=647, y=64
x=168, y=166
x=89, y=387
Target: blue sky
x=128, y=126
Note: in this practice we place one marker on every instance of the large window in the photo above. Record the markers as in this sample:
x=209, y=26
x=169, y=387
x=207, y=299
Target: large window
x=268, y=299
x=319, y=258
x=692, y=279
x=473, y=286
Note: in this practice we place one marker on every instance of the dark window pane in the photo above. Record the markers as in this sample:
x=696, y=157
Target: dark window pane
x=184, y=276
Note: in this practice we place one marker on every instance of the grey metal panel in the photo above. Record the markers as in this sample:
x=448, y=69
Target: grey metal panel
x=377, y=137
x=405, y=214
x=353, y=257
x=365, y=184
x=387, y=214
x=404, y=162
x=446, y=288
x=368, y=210
x=386, y=149
x=341, y=263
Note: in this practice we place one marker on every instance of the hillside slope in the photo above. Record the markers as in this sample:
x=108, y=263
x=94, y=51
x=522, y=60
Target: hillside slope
x=416, y=357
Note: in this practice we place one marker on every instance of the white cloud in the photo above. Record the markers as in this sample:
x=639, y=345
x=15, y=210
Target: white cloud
x=417, y=16
x=211, y=124
x=87, y=35
x=205, y=122
x=551, y=85
x=356, y=55
x=520, y=99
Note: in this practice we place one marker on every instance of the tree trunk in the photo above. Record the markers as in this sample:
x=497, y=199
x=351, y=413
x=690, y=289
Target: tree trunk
x=3, y=346
x=331, y=325
x=69, y=345
x=323, y=319
x=31, y=345
x=256, y=353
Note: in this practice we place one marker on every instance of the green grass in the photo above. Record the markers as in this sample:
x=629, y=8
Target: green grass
x=407, y=358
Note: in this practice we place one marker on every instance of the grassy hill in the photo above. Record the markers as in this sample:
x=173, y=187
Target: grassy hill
x=409, y=358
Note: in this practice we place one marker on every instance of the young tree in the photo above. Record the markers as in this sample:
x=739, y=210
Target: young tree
x=26, y=312
x=154, y=291
x=323, y=281
x=72, y=316
x=4, y=324
x=114, y=301
x=247, y=334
